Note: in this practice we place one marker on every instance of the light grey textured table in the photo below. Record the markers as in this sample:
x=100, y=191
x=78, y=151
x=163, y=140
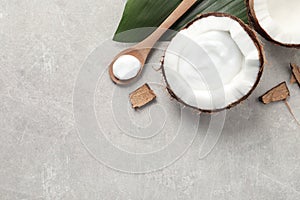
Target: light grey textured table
x=43, y=45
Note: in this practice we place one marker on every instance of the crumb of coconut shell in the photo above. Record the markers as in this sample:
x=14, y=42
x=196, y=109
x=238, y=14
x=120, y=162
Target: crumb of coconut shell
x=142, y=96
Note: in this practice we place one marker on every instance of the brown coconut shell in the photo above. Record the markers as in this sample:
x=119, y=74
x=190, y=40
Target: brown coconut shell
x=255, y=24
x=255, y=40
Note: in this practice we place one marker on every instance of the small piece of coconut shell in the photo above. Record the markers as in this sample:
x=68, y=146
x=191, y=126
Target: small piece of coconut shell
x=277, y=93
x=293, y=79
x=142, y=96
x=296, y=73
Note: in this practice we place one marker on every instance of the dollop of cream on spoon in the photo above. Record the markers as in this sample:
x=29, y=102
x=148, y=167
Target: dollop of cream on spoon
x=126, y=67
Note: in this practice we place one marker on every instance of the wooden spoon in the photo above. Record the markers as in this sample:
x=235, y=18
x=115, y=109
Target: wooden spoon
x=142, y=49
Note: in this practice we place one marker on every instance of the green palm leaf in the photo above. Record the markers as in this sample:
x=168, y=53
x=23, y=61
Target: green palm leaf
x=151, y=13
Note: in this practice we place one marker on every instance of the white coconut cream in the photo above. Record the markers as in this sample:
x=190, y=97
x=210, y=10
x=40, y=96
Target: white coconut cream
x=126, y=67
x=223, y=52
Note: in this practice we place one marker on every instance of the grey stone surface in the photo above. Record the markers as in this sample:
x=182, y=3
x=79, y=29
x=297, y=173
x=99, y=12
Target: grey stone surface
x=43, y=45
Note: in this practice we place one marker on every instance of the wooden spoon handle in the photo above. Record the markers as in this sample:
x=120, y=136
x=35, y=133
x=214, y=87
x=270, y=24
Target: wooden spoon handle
x=182, y=8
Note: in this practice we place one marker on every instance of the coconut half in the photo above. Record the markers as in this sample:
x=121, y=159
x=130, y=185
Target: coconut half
x=214, y=63
x=276, y=20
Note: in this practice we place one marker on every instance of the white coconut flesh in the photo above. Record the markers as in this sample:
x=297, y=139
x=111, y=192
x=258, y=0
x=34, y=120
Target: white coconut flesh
x=212, y=64
x=279, y=19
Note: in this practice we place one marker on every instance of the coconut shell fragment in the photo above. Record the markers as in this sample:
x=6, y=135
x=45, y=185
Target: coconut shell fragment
x=295, y=74
x=142, y=96
x=278, y=93
x=293, y=79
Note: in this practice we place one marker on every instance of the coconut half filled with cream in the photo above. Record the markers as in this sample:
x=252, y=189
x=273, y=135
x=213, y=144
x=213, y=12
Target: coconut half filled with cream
x=276, y=20
x=214, y=63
